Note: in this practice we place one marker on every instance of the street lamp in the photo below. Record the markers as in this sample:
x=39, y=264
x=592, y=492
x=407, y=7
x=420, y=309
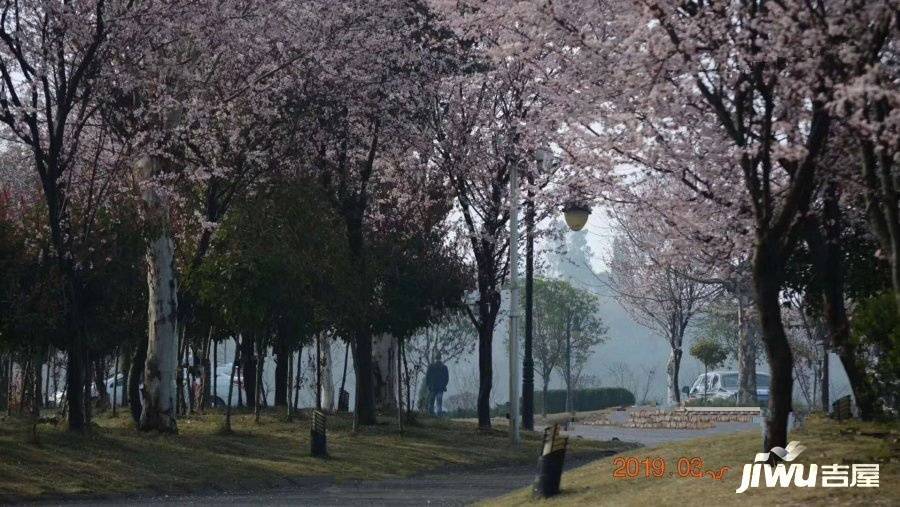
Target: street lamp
x=575, y=212
x=576, y=215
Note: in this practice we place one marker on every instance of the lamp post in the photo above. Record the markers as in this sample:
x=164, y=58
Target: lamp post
x=576, y=215
x=513, y=304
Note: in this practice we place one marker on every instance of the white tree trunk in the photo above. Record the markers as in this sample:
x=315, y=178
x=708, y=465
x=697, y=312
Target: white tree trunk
x=158, y=394
x=384, y=350
x=327, y=377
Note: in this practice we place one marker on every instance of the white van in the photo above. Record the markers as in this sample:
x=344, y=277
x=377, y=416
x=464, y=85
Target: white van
x=724, y=385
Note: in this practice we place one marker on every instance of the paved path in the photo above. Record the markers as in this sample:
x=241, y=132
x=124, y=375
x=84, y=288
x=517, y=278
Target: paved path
x=453, y=487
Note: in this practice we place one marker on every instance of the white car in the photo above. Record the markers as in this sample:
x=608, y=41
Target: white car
x=724, y=385
x=60, y=396
x=223, y=376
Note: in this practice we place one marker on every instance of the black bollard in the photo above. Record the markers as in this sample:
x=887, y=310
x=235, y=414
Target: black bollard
x=318, y=441
x=343, y=401
x=550, y=464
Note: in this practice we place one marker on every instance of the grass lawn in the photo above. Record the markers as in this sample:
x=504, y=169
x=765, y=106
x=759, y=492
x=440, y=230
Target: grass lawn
x=115, y=459
x=826, y=442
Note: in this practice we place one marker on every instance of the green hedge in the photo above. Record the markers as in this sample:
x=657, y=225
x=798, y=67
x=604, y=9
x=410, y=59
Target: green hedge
x=585, y=399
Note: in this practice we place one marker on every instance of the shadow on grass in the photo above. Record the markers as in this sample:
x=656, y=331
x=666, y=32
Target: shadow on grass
x=113, y=458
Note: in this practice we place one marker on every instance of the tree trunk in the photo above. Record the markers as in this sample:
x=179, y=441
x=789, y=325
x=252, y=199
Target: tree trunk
x=56, y=373
x=828, y=263
x=181, y=406
x=215, y=369
x=767, y=288
x=544, y=396
x=282, y=369
x=242, y=386
x=399, y=388
x=327, y=374
x=364, y=411
x=705, y=382
x=260, y=362
x=206, y=373
x=75, y=388
x=37, y=399
x=298, y=378
x=880, y=179
x=25, y=391
x=4, y=381
x=485, y=375
x=289, y=383
x=319, y=371
x=234, y=366
x=409, y=402
x=746, y=352
x=46, y=398
x=124, y=368
x=248, y=369
x=115, y=393
x=135, y=378
x=365, y=388
x=383, y=358
x=86, y=389
x=826, y=402
x=158, y=396
x=344, y=372
x=100, y=383
x=673, y=367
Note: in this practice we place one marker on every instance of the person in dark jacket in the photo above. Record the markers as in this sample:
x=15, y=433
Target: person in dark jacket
x=436, y=379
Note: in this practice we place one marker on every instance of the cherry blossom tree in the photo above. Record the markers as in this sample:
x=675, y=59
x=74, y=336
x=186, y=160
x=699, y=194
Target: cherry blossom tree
x=658, y=295
x=199, y=114
x=494, y=112
x=867, y=103
x=733, y=101
x=53, y=56
x=475, y=124
x=359, y=112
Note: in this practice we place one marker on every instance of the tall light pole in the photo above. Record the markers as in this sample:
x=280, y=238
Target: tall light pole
x=514, y=304
x=576, y=215
x=528, y=359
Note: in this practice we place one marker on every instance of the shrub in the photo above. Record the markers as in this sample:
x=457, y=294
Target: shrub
x=585, y=399
x=876, y=330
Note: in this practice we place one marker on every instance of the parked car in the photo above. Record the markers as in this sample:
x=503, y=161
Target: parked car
x=721, y=385
x=120, y=386
x=223, y=376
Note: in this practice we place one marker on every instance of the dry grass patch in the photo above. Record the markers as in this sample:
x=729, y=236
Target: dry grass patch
x=827, y=443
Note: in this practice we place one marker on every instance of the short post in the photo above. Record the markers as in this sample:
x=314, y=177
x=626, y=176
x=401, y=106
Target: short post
x=343, y=401
x=842, y=408
x=550, y=464
x=318, y=442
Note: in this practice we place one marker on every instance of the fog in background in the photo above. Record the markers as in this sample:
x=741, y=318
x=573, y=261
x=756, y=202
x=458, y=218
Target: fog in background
x=632, y=356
